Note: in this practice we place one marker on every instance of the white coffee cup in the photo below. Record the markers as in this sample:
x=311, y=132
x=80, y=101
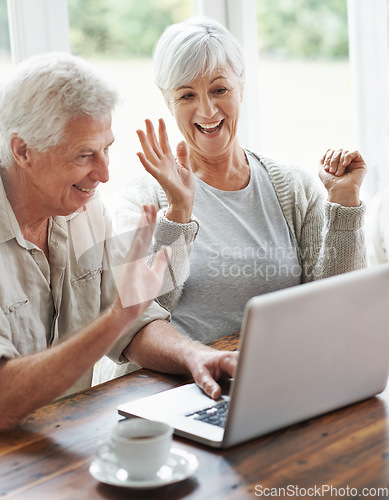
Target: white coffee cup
x=140, y=447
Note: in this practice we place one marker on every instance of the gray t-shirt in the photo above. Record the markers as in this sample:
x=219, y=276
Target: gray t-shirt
x=243, y=249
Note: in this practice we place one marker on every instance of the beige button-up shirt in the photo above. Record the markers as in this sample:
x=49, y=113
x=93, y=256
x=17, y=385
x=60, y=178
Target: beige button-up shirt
x=43, y=302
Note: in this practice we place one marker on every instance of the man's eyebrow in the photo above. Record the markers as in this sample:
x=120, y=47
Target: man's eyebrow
x=88, y=149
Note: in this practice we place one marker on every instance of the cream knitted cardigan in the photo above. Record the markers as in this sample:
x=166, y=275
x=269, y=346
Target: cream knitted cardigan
x=329, y=237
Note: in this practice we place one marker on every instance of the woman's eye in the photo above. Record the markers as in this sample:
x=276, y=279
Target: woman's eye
x=221, y=91
x=186, y=97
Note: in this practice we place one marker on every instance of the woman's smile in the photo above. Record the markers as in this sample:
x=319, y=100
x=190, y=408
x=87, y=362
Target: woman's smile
x=209, y=128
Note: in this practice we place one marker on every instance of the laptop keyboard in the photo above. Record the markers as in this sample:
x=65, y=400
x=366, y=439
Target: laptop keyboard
x=215, y=415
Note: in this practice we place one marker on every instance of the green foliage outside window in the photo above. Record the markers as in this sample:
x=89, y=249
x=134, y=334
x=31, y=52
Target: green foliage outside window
x=121, y=28
x=124, y=28
x=303, y=28
x=4, y=32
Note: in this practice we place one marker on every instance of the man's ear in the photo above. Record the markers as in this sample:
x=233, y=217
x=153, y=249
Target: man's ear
x=20, y=151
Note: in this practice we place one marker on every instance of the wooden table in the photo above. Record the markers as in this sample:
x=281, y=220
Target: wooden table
x=48, y=455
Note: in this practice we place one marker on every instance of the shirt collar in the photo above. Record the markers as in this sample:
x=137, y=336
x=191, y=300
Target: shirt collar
x=9, y=227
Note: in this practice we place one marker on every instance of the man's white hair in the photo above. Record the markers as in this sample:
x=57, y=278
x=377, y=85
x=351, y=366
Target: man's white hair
x=43, y=94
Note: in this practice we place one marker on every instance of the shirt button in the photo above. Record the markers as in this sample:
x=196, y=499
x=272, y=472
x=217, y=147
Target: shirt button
x=34, y=251
x=11, y=309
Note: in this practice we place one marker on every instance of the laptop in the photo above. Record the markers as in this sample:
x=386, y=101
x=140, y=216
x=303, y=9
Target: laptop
x=304, y=351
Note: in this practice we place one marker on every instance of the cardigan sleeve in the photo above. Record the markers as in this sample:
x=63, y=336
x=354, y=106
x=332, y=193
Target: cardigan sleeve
x=180, y=238
x=343, y=247
x=330, y=238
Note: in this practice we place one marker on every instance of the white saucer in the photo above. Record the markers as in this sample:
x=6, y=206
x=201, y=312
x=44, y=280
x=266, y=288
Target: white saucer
x=179, y=466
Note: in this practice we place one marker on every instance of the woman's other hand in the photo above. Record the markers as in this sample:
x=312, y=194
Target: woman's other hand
x=342, y=173
x=175, y=177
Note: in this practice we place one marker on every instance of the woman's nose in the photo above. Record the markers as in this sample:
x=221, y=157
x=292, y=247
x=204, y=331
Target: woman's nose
x=207, y=107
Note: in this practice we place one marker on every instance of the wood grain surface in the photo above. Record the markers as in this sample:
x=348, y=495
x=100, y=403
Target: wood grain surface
x=48, y=455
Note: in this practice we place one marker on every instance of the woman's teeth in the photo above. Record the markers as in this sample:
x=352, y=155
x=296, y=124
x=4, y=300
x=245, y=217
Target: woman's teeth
x=209, y=128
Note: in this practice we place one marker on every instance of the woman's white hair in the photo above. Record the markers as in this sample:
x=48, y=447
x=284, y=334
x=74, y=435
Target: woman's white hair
x=194, y=48
x=43, y=94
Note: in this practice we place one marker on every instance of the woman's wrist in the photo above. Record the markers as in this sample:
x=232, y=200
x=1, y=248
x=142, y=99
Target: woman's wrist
x=179, y=215
x=346, y=199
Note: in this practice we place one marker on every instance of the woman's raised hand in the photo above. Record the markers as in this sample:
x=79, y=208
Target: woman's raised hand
x=174, y=176
x=342, y=173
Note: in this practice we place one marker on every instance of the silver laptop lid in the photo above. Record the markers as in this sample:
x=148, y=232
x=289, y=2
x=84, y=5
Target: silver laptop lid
x=310, y=349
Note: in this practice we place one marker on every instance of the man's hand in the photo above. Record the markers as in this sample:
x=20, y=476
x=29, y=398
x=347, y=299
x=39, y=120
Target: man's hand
x=208, y=366
x=139, y=284
x=160, y=347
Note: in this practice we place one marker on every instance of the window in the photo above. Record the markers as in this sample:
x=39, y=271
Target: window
x=118, y=38
x=306, y=103
x=5, y=51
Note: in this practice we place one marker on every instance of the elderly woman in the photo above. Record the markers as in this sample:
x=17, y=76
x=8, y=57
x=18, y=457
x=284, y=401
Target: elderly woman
x=61, y=308
x=261, y=226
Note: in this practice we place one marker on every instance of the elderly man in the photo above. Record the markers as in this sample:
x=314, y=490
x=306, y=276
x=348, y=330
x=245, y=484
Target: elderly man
x=62, y=308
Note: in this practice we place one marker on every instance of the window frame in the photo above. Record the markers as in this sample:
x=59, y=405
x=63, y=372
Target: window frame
x=37, y=26
x=369, y=56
